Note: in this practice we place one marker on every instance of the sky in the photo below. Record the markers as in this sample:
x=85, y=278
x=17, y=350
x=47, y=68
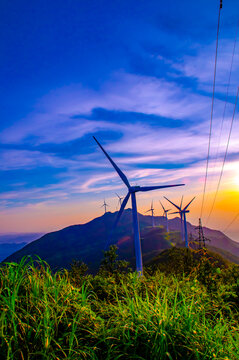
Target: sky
x=138, y=75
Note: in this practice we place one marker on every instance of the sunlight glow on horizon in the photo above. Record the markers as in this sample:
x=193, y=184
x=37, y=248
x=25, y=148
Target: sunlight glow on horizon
x=52, y=217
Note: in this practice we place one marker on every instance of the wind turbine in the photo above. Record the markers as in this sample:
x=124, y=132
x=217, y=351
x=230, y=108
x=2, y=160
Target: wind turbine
x=181, y=216
x=104, y=205
x=131, y=192
x=165, y=213
x=152, y=213
x=120, y=199
x=182, y=213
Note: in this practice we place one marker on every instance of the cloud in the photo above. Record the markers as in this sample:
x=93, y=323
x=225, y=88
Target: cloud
x=25, y=159
x=201, y=66
x=149, y=153
x=143, y=152
x=53, y=120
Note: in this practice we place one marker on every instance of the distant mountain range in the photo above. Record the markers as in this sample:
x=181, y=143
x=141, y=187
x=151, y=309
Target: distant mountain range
x=8, y=249
x=19, y=237
x=9, y=243
x=87, y=241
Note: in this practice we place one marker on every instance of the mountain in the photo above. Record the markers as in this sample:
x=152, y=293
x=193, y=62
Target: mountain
x=9, y=243
x=7, y=249
x=18, y=237
x=87, y=241
x=218, y=239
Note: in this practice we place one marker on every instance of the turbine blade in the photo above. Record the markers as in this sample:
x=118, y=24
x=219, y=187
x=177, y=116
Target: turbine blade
x=162, y=206
x=173, y=203
x=189, y=203
x=124, y=203
x=149, y=188
x=176, y=212
x=147, y=211
x=120, y=173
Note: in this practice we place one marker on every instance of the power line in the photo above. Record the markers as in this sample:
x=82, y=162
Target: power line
x=212, y=106
x=234, y=219
x=226, y=99
x=225, y=156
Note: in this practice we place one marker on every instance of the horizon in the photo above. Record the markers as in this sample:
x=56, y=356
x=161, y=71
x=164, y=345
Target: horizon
x=139, y=77
x=40, y=234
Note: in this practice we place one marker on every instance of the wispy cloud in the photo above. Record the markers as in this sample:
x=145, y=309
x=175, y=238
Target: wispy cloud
x=25, y=159
x=201, y=66
x=53, y=120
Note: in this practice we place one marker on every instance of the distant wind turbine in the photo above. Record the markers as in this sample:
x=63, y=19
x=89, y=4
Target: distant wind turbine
x=131, y=192
x=165, y=214
x=182, y=213
x=120, y=199
x=105, y=205
x=181, y=217
x=152, y=213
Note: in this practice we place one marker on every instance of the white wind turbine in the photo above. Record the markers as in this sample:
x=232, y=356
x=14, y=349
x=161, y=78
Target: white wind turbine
x=131, y=192
x=165, y=214
x=182, y=213
x=152, y=213
x=120, y=199
x=105, y=205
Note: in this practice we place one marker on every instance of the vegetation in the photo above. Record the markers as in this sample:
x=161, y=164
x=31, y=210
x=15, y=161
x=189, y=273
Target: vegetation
x=186, y=310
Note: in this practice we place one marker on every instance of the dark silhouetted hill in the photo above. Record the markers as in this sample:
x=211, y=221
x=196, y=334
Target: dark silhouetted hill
x=87, y=241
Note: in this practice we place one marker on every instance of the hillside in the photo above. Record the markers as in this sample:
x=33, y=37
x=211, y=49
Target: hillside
x=188, y=310
x=87, y=241
x=183, y=261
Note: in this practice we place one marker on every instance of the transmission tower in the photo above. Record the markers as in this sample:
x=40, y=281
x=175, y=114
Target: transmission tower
x=201, y=238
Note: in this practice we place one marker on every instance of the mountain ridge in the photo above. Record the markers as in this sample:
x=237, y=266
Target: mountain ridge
x=87, y=241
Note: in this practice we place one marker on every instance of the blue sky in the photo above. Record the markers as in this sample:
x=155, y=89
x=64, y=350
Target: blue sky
x=137, y=75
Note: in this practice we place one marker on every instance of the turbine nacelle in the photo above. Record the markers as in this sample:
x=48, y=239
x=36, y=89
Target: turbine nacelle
x=179, y=212
x=134, y=189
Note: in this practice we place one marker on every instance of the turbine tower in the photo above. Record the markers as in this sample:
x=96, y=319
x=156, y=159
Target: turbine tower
x=181, y=217
x=120, y=199
x=165, y=213
x=105, y=205
x=182, y=213
x=152, y=213
x=131, y=192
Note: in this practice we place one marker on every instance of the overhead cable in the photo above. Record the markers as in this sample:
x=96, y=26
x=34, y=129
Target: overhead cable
x=225, y=156
x=212, y=107
x=226, y=98
x=233, y=220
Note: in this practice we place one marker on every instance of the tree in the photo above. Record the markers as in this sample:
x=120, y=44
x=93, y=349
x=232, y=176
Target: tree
x=78, y=269
x=110, y=265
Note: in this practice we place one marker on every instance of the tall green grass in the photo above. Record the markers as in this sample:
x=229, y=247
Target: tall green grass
x=51, y=316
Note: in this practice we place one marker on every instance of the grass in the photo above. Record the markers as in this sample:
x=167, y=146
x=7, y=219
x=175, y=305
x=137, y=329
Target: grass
x=159, y=316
